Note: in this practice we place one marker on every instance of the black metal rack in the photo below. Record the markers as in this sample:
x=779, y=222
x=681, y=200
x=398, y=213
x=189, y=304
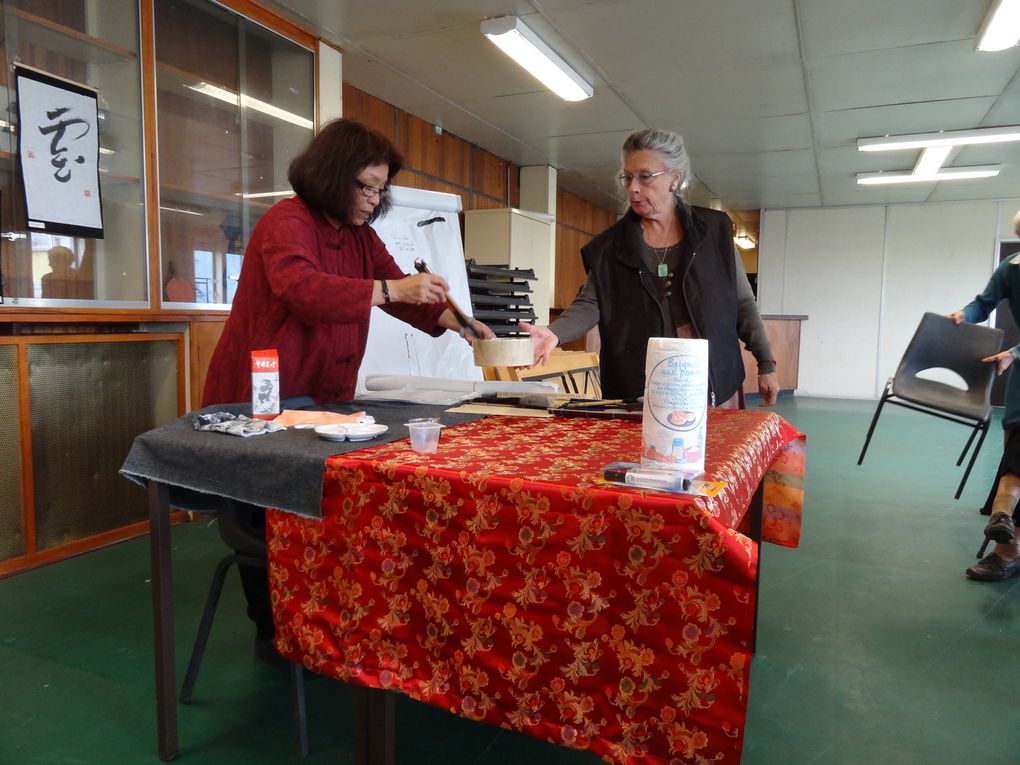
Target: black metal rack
x=501, y=297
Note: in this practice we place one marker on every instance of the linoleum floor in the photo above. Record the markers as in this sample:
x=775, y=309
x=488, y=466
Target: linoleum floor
x=873, y=648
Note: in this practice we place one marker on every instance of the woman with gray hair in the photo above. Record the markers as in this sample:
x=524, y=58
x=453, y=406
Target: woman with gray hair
x=664, y=269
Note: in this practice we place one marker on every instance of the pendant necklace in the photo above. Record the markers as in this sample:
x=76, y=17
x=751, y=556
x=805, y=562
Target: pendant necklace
x=660, y=253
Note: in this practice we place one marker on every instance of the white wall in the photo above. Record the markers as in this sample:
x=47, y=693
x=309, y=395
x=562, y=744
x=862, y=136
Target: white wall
x=865, y=275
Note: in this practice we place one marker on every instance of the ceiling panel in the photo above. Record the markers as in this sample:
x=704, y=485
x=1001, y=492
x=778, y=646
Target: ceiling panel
x=771, y=96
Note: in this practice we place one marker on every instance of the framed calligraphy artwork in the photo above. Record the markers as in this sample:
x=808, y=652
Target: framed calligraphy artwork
x=58, y=145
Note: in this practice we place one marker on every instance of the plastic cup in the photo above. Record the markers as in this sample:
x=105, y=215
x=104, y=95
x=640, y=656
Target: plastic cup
x=424, y=436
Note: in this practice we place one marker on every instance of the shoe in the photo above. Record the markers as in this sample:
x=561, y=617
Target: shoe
x=1000, y=528
x=992, y=568
x=266, y=652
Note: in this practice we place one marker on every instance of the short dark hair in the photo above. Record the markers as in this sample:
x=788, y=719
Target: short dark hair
x=325, y=174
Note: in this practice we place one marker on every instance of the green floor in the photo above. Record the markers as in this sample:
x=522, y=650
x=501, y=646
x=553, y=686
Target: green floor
x=873, y=648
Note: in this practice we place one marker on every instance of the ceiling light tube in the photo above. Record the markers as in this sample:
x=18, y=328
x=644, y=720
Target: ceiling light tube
x=932, y=159
x=945, y=174
x=1001, y=27
x=222, y=94
x=519, y=42
x=945, y=138
x=744, y=242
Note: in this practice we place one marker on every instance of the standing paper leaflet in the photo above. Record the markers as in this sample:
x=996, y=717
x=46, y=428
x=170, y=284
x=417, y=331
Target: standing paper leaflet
x=676, y=405
x=265, y=384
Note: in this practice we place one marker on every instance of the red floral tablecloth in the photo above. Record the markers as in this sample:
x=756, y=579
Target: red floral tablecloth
x=499, y=580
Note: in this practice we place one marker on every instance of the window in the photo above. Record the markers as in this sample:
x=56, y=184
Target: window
x=228, y=126
x=96, y=47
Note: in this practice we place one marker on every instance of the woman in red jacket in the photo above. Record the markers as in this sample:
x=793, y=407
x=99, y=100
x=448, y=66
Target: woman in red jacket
x=312, y=272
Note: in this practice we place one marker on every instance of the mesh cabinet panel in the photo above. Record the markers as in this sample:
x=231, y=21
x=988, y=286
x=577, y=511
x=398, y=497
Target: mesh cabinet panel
x=12, y=533
x=88, y=402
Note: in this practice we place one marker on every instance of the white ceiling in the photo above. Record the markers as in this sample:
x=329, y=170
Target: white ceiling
x=770, y=95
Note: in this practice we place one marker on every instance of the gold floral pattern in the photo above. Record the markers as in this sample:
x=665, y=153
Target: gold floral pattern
x=497, y=579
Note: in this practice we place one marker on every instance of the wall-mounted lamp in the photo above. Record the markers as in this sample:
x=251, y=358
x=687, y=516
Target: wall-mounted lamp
x=744, y=242
x=1001, y=28
x=518, y=41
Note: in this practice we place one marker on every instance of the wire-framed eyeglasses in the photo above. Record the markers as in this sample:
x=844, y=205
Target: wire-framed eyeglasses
x=642, y=178
x=371, y=191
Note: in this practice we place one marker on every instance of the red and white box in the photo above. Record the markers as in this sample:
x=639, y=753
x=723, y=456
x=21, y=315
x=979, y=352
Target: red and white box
x=265, y=384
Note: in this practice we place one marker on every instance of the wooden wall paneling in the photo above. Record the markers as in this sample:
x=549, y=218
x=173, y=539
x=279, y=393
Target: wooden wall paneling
x=456, y=157
x=205, y=334
x=371, y=111
x=421, y=147
x=489, y=175
x=481, y=202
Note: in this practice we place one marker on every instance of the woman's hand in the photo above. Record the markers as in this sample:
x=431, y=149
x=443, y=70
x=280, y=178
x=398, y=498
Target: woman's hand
x=956, y=316
x=418, y=289
x=1002, y=360
x=545, y=341
x=478, y=331
x=768, y=388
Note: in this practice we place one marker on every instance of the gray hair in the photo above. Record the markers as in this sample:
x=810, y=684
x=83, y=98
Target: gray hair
x=671, y=150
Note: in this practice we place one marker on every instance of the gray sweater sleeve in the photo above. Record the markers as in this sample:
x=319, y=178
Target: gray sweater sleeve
x=750, y=327
x=580, y=316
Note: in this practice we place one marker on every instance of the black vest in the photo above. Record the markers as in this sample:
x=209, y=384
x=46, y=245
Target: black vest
x=630, y=309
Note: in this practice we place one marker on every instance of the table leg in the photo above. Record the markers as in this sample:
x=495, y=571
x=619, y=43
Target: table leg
x=757, y=510
x=163, y=619
x=374, y=726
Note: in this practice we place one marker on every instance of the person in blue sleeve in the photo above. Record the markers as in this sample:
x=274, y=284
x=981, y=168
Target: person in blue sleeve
x=1004, y=560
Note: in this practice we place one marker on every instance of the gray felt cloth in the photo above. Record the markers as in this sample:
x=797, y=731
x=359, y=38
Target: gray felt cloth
x=282, y=469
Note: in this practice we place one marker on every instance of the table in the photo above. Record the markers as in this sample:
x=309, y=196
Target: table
x=282, y=470
x=498, y=579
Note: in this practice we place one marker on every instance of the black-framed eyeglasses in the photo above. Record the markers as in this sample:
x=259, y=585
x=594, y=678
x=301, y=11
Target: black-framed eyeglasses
x=371, y=191
x=642, y=178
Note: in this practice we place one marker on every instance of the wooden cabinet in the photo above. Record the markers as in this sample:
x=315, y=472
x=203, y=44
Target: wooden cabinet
x=784, y=337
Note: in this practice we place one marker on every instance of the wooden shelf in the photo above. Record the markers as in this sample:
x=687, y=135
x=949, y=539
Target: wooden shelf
x=67, y=41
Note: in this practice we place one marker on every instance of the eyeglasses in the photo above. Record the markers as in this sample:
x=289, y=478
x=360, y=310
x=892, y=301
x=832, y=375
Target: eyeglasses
x=642, y=178
x=371, y=191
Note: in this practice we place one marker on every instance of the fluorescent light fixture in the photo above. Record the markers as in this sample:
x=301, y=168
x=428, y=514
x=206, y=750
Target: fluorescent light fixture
x=945, y=174
x=519, y=42
x=944, y=138
x=1001, y=28
x=932, y=159
x=226, y=96
x=744, y=242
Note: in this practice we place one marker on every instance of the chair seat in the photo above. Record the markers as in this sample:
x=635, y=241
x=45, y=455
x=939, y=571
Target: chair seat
x=943, y=397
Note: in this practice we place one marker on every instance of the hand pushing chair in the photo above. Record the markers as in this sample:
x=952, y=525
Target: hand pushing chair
x=939, y=343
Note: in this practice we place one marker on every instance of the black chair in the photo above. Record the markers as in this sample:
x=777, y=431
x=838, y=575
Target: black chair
x=939, y=343
x=249, y=548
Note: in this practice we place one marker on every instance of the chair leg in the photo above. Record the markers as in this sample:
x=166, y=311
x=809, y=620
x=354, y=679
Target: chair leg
x=973, y=458
x=970, y=440
x=874, y=421
x=213, y=599
x=297, y=677
x=981, y=550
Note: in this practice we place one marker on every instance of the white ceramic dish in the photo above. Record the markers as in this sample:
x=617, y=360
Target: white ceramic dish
x=504, y=352
x=353, y=432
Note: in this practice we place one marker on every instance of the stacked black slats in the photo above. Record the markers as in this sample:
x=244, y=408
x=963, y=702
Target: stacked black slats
x=501, y=297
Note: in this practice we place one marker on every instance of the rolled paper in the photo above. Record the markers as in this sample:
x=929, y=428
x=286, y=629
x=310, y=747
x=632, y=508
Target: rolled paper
x=676, y=405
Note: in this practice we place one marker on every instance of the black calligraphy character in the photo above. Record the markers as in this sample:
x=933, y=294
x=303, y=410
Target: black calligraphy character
x=57, y=152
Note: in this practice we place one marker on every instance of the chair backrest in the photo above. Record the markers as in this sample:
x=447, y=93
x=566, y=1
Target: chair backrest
x=941, y=343
x=577, y=372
